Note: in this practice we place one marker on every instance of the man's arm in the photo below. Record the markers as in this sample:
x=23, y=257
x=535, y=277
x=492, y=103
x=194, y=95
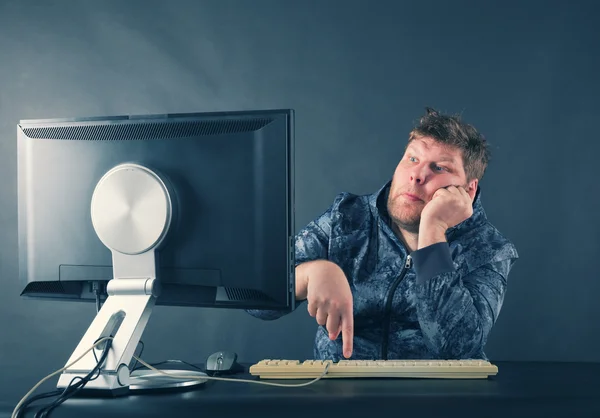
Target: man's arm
x=312, y=243
x=456, y=309
x=456, y=312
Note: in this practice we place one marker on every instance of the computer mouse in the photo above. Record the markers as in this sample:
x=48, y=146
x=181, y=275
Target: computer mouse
x=223, y=362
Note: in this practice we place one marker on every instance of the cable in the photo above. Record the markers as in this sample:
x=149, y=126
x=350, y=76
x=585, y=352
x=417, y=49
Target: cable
x=140, y=355
x=24, y=402
x=175, y=376
x=34, y=399
x=73, y=388
x=41, y=412
x=97, y=289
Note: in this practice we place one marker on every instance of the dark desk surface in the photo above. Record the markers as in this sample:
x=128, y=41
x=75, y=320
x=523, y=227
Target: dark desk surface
x=519, y=390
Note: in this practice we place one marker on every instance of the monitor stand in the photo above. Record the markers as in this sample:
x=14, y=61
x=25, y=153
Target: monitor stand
x=131, y=212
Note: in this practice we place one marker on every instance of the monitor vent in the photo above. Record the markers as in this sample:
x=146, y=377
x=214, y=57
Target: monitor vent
x=145, y=131
x=245, y=294
x=45, y=287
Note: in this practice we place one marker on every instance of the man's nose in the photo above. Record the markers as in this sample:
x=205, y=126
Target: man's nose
x=418, y=175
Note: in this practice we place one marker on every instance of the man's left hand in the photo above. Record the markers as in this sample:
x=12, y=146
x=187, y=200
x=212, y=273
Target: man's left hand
x=448, y=207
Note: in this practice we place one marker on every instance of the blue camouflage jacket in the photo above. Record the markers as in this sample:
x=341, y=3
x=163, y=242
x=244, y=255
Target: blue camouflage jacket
x=439, y=302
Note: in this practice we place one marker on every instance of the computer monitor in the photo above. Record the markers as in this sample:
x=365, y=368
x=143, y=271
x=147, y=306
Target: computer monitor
x=181, y=209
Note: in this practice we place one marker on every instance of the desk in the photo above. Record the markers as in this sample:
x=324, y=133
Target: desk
x=519, y=390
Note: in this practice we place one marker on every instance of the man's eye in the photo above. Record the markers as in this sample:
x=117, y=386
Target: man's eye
x=438, y=168
x=412, y=159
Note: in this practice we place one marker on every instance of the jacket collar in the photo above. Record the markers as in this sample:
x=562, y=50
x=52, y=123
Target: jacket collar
x=378, y=205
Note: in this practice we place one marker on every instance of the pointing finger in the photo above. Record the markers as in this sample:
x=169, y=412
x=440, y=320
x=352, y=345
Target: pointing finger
x=348, y=333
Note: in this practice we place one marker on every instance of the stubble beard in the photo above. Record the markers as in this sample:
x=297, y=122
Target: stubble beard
x=408, y=222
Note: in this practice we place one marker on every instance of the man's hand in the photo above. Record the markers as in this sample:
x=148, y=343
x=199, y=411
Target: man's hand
x=448, y=207
x=330, y=300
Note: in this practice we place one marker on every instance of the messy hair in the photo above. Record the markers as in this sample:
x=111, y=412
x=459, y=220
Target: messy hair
x=451, y=131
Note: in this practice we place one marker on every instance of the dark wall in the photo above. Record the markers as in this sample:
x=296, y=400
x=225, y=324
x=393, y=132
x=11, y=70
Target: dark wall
x=358, y=75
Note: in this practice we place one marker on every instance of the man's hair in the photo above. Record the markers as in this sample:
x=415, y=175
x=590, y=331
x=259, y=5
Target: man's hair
x=450, y=130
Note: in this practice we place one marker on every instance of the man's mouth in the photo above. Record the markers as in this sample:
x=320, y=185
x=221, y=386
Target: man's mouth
x=411, y=197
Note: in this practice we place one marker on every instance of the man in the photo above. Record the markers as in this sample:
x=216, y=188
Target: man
x=415, y=270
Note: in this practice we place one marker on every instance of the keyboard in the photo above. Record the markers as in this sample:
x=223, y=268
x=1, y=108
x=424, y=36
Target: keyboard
x=432, y=369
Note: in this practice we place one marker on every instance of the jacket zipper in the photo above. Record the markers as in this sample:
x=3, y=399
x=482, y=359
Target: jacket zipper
x=388, y=308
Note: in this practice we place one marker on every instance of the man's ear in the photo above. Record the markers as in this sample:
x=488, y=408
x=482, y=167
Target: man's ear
x=472, y=188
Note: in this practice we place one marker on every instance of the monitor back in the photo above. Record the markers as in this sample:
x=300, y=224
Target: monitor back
x=231, y=239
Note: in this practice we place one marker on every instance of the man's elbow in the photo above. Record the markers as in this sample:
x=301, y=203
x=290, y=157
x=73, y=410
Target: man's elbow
x=462, y=344
x=265, y=315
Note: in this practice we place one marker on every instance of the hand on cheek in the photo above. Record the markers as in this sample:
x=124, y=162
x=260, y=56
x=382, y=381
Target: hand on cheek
x=448, y=207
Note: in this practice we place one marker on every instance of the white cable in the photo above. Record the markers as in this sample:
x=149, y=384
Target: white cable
x=175, y=376
x=22, y=401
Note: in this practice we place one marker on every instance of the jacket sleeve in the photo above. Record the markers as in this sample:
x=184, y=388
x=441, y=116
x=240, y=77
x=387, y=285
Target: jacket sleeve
x=311, y=243
x=456, y=312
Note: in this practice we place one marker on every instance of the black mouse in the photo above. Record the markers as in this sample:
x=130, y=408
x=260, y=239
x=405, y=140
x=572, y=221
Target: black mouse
x=222, y=362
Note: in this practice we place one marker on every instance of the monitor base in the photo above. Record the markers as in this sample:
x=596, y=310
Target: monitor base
x=149, y=380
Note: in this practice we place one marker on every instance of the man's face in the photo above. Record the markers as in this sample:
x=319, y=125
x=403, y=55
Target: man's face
x=425, y=167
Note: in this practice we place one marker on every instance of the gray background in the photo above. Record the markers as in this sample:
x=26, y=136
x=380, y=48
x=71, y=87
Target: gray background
x=358, y=74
